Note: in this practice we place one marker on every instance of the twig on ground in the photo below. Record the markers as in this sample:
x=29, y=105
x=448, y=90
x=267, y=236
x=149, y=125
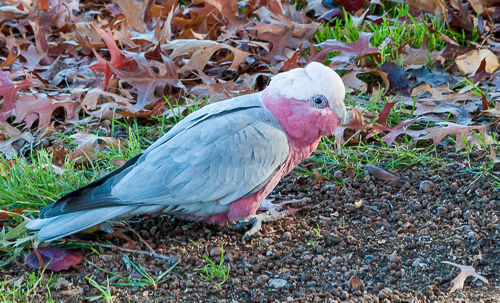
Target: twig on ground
x=141, y=239
x=134, y=251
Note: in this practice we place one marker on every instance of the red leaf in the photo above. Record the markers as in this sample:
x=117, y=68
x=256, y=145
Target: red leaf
x=41, y=107
x=355, y=124
x=8, y=90
x=348, y=51
x=118, y=60
x=384, y=114
x=59, y=258
x=4, y=216
x=351, y=5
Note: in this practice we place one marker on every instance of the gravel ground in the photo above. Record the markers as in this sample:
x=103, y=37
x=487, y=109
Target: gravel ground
x=377, y=241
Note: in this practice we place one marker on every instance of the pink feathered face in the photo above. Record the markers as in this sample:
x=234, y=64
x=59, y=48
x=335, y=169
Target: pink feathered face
x=308, y=102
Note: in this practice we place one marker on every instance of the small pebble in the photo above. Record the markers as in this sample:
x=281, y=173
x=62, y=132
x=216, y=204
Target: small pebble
x=393, y=258
x=277, y=283
x=215, y=252
x=426, y=186
x=442, y=210
x=262, y=279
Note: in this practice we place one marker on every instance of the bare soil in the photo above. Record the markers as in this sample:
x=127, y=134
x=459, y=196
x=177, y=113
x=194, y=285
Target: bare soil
x=392, y=235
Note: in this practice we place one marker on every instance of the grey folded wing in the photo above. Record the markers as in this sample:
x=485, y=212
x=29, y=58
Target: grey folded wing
x=208, y=165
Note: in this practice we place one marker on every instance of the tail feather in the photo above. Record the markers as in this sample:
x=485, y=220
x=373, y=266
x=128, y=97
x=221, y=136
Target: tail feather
x=66, y=224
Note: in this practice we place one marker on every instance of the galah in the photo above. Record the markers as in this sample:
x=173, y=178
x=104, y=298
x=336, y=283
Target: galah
x=217, y=164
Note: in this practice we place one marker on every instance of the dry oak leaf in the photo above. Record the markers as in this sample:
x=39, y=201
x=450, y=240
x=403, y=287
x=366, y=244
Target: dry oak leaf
x=465, y=272
x=281, y=32
x=201, y=51
x=87, y=143
x=13, y=134
x=9, y=12
x=134, y=13
x=461, y=132
x=316, y=6
x=104, y=105
x=30, y=108
x=9, y=92
x=493, y=112
x=470, y=62
x=228, y=9
x=353, y=83
x=146, y=81
x=274, y=6
x=348, y=51
x=437, y=7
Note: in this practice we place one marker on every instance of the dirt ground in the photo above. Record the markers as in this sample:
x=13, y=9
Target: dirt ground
x=394, y=241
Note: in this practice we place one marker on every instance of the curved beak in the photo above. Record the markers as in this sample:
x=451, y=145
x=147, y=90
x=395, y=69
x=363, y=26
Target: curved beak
x=341, y=112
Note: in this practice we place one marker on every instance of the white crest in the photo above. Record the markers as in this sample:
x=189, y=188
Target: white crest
x=305, y=83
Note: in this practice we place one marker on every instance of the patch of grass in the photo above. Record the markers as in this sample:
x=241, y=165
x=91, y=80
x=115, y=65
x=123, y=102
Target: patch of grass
x=398, y=156
x=104, y=291
x=33, y=181
x=145, y=279
x=317, y=230
x=395, y=29
x=213, y=271
x=26, y=287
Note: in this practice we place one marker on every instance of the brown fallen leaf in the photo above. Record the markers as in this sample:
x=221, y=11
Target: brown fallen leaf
x=353, y=83
x=461, y=132
x=134, y=13
x=201, y=51
x=465, y=272
x=493, y=112
x=316, y=6
x=414, y=58
x=87, y=143
x=281, y=32
x=437, y=7
x=380, y=173
x=146, y=80
x=469, y=63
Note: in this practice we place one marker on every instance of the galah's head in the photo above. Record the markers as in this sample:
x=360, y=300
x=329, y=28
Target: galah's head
x=308, y=102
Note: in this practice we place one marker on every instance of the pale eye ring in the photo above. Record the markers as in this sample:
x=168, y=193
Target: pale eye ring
x=319, y=101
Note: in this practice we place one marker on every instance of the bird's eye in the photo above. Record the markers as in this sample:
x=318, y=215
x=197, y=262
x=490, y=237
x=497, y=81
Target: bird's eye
x=319, y=101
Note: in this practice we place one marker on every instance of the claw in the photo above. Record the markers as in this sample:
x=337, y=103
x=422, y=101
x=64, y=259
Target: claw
x=257, y=221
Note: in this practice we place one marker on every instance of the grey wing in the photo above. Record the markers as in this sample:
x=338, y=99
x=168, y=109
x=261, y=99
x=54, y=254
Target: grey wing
x=218, y=160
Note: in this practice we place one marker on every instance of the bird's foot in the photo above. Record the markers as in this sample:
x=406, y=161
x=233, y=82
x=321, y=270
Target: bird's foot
x=268, y=205
x=256, y=221
x=271, y=214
